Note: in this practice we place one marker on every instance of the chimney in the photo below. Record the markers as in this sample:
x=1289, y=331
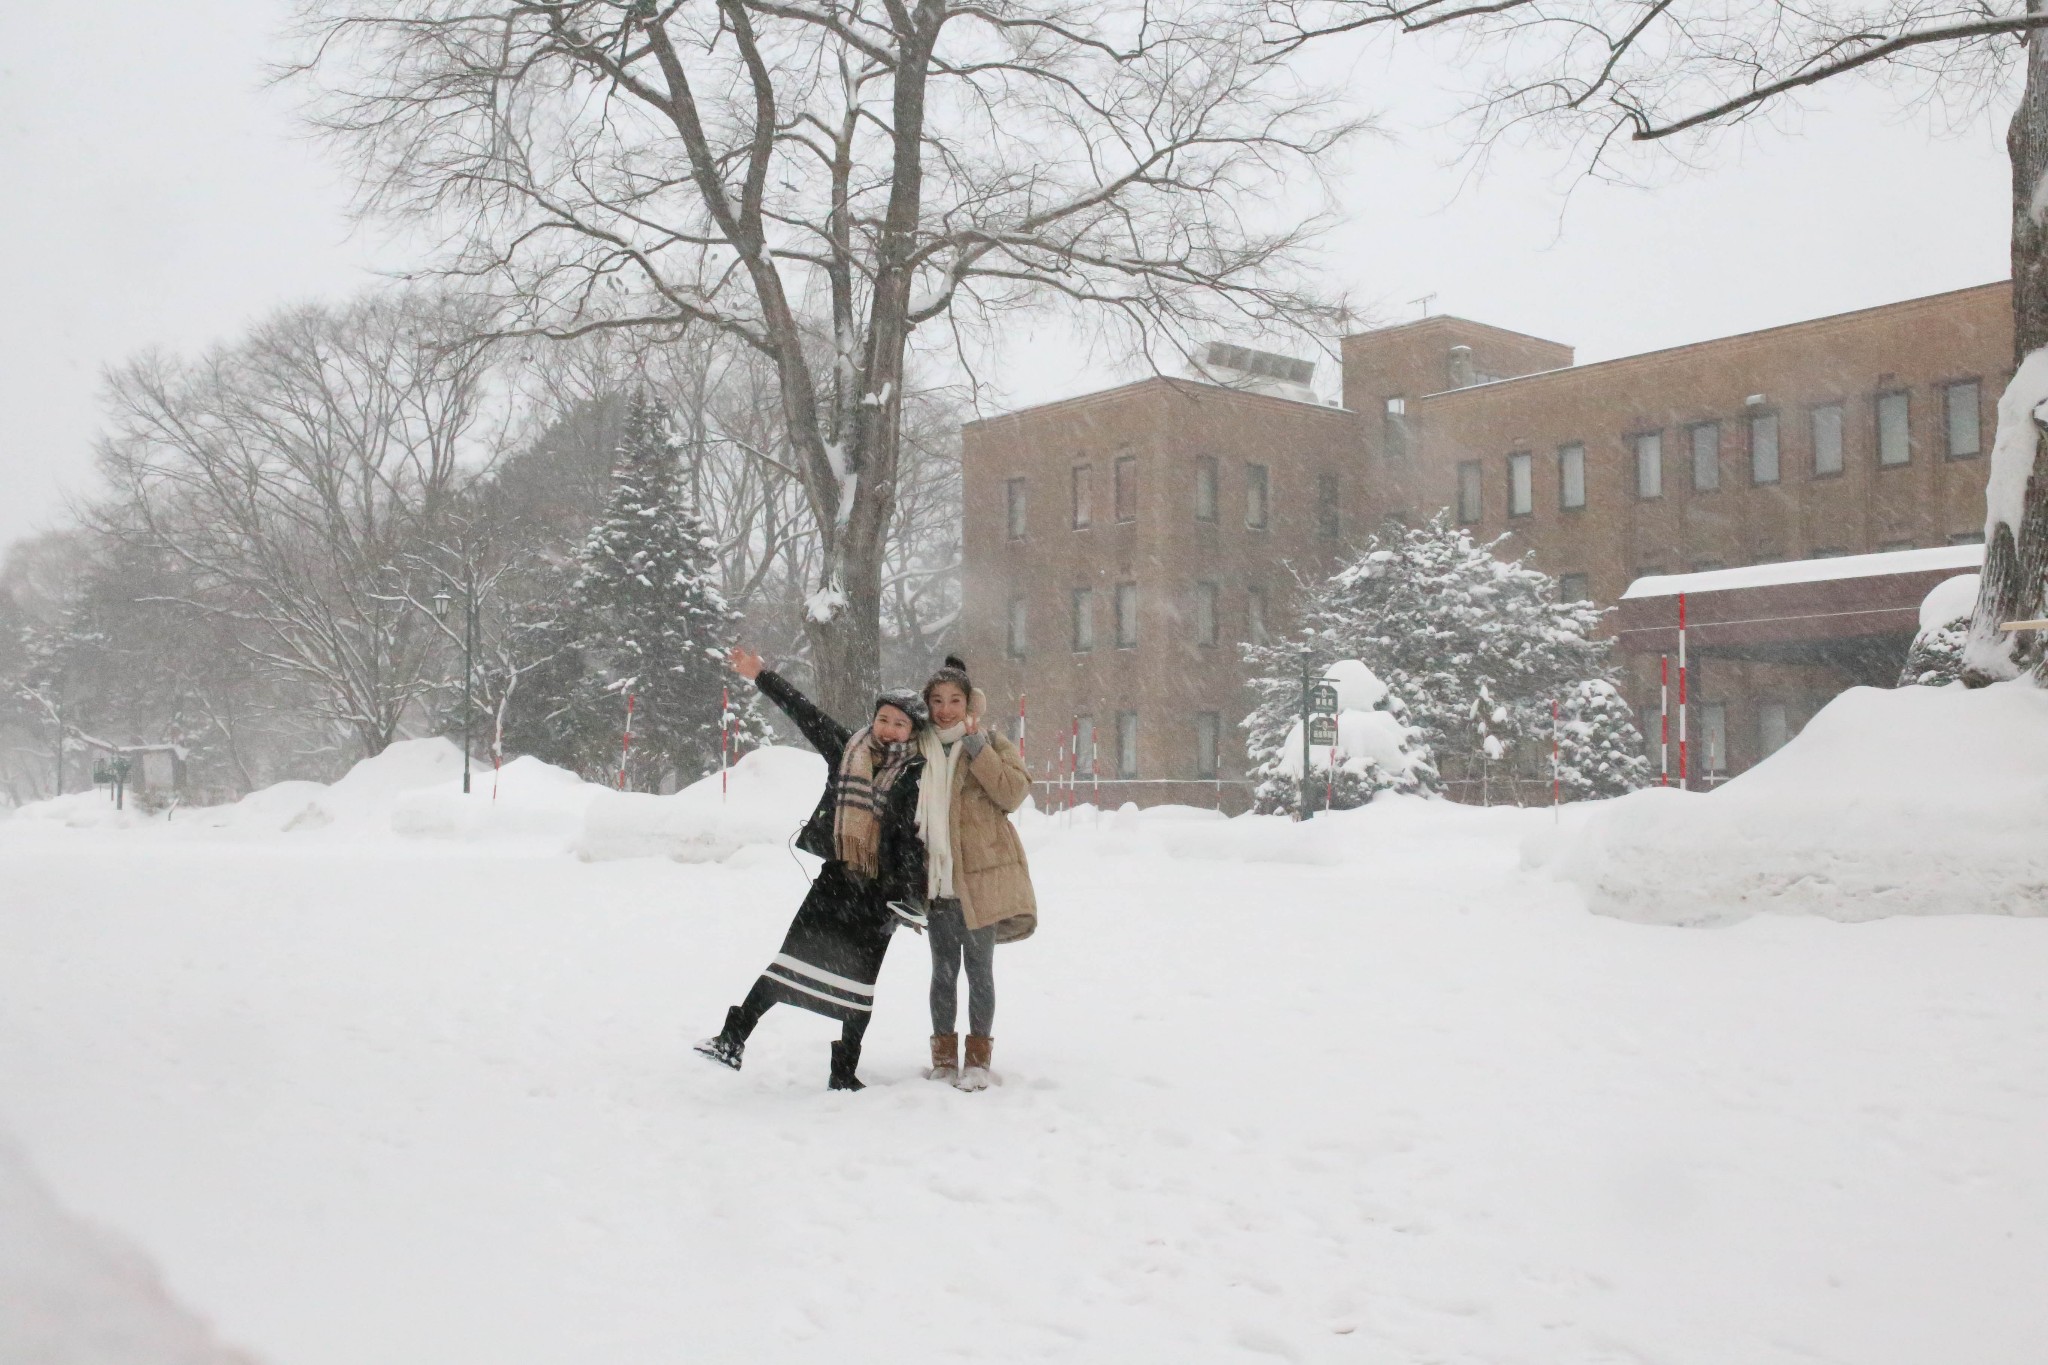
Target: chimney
x=1462, y=374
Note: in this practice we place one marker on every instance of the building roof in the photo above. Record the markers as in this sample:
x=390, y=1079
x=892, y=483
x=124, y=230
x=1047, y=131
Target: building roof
x=1736, y=339
x=1954, y=558
x=1198, y=388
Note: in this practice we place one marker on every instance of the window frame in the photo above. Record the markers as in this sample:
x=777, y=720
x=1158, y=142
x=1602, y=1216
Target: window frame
x=1256, y=629
x=1948, y=417
x=1878, y=401
x=1081, y=497
x=1019, y=626
x=1764, y=708
x=1329, y=506
x=1127, y=745
x=1472, y=479
x=1692, y=441
x=1757, y=417
x=1081, y=635
x=1712, y=712
x=1813, y=429
x=1208, y=602
x=1126, y=612
x=1394, y=436
x=1016, y=507
x=1636, y=444
x=1523, y=464
x=1209, y=734
x=1208, y=489
x=1564, y=482
x=1258, y=477
x=1123, y=489
x=1585, y=584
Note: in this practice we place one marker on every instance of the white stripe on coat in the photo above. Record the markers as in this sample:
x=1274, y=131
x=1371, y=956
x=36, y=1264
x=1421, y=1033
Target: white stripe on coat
x=829, y=999
x=794, y=964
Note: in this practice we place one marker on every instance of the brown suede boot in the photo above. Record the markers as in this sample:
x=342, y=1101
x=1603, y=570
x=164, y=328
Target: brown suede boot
x=945, y=1057
x=974, y=1075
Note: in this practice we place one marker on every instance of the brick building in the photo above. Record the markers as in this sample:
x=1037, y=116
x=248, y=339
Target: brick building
x=1119, y=545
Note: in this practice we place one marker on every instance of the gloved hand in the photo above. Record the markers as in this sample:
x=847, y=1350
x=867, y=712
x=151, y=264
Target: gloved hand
x=911, y=913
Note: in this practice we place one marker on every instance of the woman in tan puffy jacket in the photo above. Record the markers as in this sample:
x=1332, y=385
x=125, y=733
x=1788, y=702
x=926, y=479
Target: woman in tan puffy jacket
x=978, y=887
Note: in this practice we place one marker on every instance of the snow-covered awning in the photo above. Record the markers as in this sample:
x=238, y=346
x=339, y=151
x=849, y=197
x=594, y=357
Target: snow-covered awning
x=1855, y=612
x=1947, y=559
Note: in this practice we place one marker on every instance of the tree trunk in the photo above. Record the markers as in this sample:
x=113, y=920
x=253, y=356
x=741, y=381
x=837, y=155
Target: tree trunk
x=2016, y=558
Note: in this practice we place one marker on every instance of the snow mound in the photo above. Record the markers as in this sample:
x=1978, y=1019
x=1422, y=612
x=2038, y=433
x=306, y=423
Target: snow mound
x=1952, y=599
x=84, y=810
x=1917, y=801
x=527, y=800
x=73, y=1295
x=362, y=798
x=771, y=792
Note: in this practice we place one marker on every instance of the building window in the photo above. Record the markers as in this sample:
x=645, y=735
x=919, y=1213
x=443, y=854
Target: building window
x=1127, y=744
x=1763, y=448
x=1084, y=745
x=1125, y=482
x=1893, y=546
x=1019, y=621
x=1205, y=613
x=1650, y=464
x=1571, y=476
x=1714, y=738
x=1965, y=420
x=1396, y=429
x=1707, y=565
x=1966, y=538
x=1014, y=495
x=1084, y=620
x=1894, y=432
x=1468, y=491
x=1205, y=489
x=1829, y=552
x=1258, y=496
x=1521, y=484
x=1126, y=615
x=1650, y=571
x=1773, y=727
x=1208, y=730
x=1572, y=587
x=1084, y=499
x=1329, y=517
x=1827, y=440
x=1255, y=616
x=1706, y=456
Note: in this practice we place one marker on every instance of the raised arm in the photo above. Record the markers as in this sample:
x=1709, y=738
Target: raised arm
x=825, y=734
x=994, y=763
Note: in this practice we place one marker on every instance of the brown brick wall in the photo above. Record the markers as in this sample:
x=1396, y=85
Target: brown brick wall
x=1168, y=426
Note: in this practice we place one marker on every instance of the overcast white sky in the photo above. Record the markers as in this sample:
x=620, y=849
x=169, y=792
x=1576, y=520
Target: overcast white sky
x=156, y=195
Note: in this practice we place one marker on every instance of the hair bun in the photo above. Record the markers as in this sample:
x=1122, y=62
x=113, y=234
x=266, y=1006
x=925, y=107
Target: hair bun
x=955, y=661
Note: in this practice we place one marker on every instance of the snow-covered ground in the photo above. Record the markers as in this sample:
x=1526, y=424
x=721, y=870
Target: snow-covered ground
x=398, y=1083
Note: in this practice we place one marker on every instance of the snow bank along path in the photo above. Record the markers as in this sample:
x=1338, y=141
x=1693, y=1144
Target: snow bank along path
x=1364, y=1091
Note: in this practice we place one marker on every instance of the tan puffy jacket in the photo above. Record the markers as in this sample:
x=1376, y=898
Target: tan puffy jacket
x=989, y=872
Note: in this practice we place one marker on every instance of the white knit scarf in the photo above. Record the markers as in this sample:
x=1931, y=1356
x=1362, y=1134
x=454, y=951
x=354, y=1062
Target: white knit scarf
x=935, y=805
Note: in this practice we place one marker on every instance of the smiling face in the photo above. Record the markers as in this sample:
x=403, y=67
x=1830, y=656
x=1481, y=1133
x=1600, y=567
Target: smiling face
x=948, y=704
x=891, y=726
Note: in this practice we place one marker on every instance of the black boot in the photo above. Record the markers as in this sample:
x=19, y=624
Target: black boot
x=727, y=1048
x=845, y=1057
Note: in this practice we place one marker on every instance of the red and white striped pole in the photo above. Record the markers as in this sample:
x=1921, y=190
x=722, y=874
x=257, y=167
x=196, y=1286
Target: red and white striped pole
x=626, y=745
x=1664, y=721
x=1682, y=769
x=724, y=739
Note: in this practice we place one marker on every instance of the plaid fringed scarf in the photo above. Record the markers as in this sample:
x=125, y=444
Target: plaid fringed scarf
x=863, y=793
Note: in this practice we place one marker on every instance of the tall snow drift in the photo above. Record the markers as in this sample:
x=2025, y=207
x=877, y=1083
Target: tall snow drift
x=1918, y=801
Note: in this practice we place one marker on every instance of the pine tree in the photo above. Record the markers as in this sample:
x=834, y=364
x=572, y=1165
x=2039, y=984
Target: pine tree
x=1377, y=749
x=1600, y=752
x=1474, y=646
x=644, y=619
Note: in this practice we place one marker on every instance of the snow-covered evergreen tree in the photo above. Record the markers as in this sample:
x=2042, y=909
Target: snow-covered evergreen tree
x=644, y=617
x=1600, y=752
x=1475, y=647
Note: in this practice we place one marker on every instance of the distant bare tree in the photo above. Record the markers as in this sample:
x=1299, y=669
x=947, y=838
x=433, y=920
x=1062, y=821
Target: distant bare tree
x=293, y=475
x=819, y=179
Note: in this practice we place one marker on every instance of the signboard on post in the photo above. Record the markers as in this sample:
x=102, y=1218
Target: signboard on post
x=1322, y=700
x=1322, y=731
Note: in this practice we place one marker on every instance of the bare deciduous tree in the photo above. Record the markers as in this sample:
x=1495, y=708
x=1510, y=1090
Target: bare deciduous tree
x=292, y=475
x=819, y=179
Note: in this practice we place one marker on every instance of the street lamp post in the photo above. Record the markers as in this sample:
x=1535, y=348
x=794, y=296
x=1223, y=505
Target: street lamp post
x=441, y=601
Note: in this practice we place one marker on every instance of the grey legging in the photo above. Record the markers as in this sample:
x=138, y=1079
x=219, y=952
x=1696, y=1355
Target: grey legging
x=952, y=943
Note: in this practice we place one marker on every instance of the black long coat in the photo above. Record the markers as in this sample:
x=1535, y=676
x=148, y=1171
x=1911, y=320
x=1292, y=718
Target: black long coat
x=833, y=951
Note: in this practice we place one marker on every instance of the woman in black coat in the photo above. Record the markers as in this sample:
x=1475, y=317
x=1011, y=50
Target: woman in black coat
x=865, y=828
